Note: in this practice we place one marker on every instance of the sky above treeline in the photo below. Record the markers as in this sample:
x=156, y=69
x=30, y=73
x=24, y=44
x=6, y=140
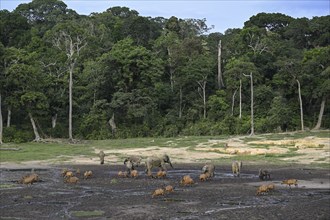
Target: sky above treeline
x=219, y=14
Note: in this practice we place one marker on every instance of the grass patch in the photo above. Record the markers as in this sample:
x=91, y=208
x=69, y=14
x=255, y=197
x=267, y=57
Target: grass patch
x=321, y=165
x=286, y=155
x=186, y=141
x=6, y=185
x=62, y=151
x=113, y=181
x=94, y=213
x=262, y=146
x=292, y=153
x=322, y=159
x=44, y=151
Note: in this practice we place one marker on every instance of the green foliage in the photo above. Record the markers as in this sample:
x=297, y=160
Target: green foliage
x=271, y=21
x=279, y=114
x=94, y=125
x=12, y=134
x=157, y=76
x=218, y=105
x=228, y=126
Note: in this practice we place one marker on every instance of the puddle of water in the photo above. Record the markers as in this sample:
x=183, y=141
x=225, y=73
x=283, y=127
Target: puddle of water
x=60, y=193
x=174, y=200
x=57, y=203
x=226, y=208
x=139, y=193
x=218, y=175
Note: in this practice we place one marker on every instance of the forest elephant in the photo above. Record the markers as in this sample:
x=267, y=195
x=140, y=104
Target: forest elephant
x=264, y=174
x=209, y=168
x=101, y=155
x=135, y=161
x=236, y=167
x=155, y=161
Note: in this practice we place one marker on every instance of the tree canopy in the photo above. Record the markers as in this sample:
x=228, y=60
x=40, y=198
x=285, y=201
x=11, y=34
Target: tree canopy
x=158, y=76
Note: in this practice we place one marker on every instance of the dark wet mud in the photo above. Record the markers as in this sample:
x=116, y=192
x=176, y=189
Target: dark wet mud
x=106, y=196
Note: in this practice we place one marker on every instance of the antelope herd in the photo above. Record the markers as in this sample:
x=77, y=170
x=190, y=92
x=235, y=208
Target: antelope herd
x=132, y=162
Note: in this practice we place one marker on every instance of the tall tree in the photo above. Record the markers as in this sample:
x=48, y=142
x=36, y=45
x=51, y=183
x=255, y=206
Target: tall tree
x=12, y=58
x=45, y=14
x=290, y=77
x=1, y=87
x=134, y=75
x=276, y=22
x=252, y=107
x=198, y=70
x=28, y=84
x=14, y=29
x=1, y=122
x=220, y=79
x=301, y=106
x=70, y=38
x=316, y=66
x=235, y=69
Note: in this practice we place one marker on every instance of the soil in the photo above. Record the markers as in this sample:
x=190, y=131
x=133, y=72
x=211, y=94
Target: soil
x=106, y=196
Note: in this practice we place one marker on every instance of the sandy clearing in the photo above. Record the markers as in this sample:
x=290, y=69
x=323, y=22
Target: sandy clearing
x=312, y=150
x=178, y=155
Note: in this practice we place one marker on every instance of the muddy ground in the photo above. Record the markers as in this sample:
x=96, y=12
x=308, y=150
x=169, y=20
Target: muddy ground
x=105, y=196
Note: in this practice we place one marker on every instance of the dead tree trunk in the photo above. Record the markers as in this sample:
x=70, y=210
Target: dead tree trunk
x=180, y=104
x=220, y=80
x=233, y=103
x=113, y=124
x=54, y=119
x=71, y=46
x=301, y=107
x=172, y=70
x=202, y=86
x=70, y=101
x=240, y=98
x=1, y=122
x=252, y=114
x=8, y=117
x=35, y=129
x=319, y=121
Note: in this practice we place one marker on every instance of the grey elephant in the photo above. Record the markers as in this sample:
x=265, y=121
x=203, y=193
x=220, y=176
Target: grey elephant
x=101, y=155
x=135, y=160
x=132, y=162
x=209, y=168
x=155, y=161
x=236, y=167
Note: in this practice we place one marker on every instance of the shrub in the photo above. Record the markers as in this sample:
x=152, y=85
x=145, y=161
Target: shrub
x=12, y=134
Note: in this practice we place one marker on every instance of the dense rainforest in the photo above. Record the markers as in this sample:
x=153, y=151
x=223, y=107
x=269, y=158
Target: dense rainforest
x=117, y=74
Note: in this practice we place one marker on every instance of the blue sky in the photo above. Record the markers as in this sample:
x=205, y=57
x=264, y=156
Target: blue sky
x=223, y=14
